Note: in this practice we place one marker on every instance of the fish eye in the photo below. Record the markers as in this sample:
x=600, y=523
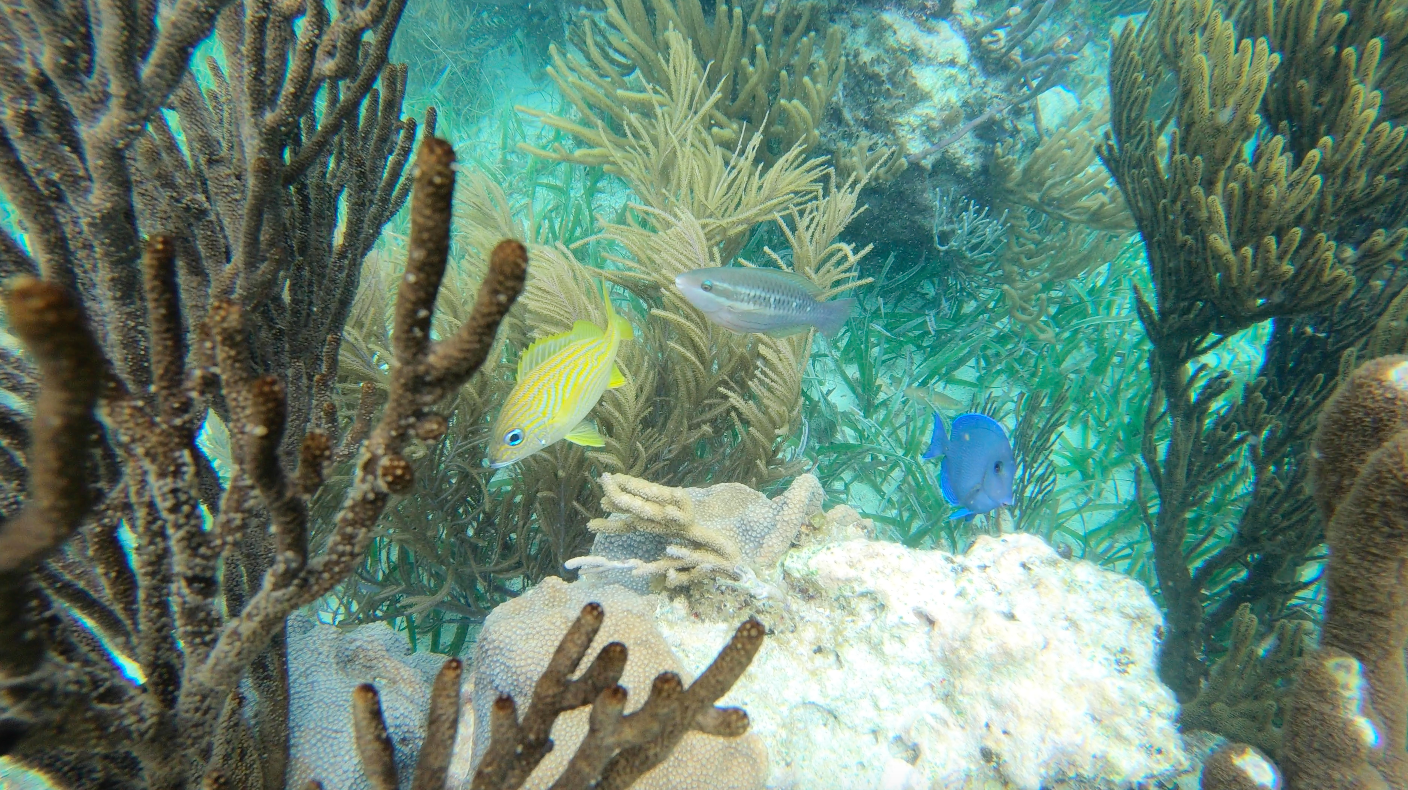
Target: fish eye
x=707, y=285
x=997, y=467
x=514, y=437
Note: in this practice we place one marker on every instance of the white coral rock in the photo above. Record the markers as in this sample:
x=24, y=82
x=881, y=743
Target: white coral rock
x=1003, y=667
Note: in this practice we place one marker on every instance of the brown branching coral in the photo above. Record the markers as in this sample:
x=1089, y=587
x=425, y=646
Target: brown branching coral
x=619, y=747
x=1246, y=695
x=1236, y=236
x=223, y=591
x=772, y=75
x=48, y=320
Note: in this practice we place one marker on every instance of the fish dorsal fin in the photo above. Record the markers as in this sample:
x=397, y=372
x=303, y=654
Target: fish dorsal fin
x=544, y=348
x=586, y=435
x=618, y=379
x=976, y=422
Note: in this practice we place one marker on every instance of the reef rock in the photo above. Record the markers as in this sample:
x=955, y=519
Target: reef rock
x=1003, y=667
x=885, y=667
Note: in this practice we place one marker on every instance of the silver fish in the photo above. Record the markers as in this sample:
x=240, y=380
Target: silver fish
x=769, y=301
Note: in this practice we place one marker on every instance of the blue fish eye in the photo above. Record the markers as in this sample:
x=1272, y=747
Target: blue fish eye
x=707, y=285
x=997, y=467
x=514, y=437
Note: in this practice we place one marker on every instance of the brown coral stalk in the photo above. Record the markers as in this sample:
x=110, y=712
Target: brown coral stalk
x=618, y=748
x=49, y=321
x=1363, y=439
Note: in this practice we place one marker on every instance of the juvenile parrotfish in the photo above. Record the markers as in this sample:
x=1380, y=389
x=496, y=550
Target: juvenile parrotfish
x=770, y=301
x=560, y=380
x=976, y=473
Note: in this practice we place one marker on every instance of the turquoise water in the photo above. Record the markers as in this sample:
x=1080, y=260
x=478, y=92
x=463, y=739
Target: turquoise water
x=1057, y=488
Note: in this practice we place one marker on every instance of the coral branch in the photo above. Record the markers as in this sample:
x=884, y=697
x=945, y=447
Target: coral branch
x=617, y=749
x=52, y=325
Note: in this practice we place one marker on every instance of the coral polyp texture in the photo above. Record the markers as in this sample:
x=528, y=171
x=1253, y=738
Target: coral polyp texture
x=684, y=534
x=1344, y=724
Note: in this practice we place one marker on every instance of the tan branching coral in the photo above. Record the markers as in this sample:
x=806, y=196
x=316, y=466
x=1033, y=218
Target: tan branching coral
x=686, y=534
x=772, y=75
x=867, y=157
x=1064, y=214
x=1062, y=178
x=1246, y=695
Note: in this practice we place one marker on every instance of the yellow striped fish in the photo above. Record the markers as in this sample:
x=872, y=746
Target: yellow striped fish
x=560, y=380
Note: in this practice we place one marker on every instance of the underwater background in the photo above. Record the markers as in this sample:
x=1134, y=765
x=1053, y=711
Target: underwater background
x=998, y=396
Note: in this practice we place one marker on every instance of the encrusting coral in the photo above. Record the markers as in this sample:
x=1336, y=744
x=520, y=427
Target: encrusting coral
x=200, y=604
x=686, y=534
x=1253, y=206
x=1345, y=723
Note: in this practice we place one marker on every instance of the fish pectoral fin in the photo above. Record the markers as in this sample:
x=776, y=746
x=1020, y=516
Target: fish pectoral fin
x=962, y=512
x=618, y=379
x=586, y=435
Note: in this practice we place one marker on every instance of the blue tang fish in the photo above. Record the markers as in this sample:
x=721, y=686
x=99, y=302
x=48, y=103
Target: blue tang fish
x=976, y=473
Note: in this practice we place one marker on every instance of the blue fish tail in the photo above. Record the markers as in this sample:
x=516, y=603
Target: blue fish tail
x=938, y=442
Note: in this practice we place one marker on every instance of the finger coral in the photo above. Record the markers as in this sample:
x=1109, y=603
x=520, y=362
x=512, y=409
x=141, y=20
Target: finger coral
x=685, y=534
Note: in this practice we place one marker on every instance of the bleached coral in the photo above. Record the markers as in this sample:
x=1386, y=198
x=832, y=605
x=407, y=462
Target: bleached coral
x=683, y=534
x=1003, y=667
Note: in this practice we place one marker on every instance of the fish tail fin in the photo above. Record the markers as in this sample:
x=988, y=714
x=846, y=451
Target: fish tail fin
x=831, y=316
x=614, y=319
x=938, y=440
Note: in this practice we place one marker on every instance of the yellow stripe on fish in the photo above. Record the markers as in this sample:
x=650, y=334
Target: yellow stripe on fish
x=560, y=380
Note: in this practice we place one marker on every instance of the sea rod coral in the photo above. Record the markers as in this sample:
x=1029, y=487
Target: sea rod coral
x=613, y=748
x=1254, y=206
x=134, y=347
